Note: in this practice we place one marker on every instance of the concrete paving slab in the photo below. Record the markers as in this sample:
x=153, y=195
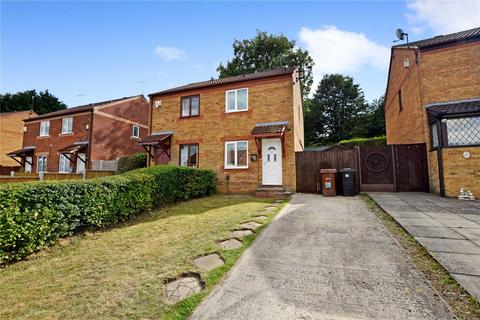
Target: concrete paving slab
x=261, y=218
x=459, y=223
x=251, y=225
x=471, y=233
x=433, y=232
x=449, y=245
x=209, y=262
x=459, y=262
x=461, y=217
x=241, y=233
x=469, y=283
x=288, y=273
x=420, y=222
x=182, y=288
x=471, y=217
x=230, y=244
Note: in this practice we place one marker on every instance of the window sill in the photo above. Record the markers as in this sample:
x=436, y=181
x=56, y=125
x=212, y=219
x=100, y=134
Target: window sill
x=235, y=168
x=136, y=138
x=189, y=117
x=236, y=111
x=66, y=134
x=43, y=137
x=463, y=146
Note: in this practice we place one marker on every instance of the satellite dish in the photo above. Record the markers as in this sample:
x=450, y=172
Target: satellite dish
x=400, y=34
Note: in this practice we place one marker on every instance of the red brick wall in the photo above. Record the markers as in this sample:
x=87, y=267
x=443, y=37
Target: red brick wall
x=50, y=145
x=443, y=74
x=112, y=128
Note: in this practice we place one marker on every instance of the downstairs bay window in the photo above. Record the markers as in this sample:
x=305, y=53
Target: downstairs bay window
x=236, y=155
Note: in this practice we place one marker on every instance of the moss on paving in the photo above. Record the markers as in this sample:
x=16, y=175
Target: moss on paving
x=460, y=302
x=120, y=272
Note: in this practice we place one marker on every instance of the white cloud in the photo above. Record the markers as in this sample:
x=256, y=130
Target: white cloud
x=442, y=16
x=338, y=51
x=170, y=53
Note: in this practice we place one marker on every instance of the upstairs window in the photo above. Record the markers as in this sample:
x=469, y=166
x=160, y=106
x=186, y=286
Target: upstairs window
x=400, y=106
x=236, y=154
x=42, y=164
x=190, y=106
x=189, y=155
x=236, y=100
x=67, y=125
x=136, y=131
x=44, y=128
x=64, y=164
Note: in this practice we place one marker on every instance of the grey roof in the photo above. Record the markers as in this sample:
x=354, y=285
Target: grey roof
x=82, y=108
x=444, y=39
x=456, y=107
x=221, y=81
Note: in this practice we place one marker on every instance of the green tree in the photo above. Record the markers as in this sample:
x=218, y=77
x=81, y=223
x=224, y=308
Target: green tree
x=42, y=102
x=374, y=123
x=337, y=111
x=265, y=52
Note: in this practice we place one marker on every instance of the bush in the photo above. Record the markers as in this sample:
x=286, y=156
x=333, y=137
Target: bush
x=134, y=161
x=377, y=141
x=35, y=214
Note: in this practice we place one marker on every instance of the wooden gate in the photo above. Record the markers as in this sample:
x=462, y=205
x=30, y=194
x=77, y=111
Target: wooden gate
x=379, y=168
x=411, y=167
x=376, y=168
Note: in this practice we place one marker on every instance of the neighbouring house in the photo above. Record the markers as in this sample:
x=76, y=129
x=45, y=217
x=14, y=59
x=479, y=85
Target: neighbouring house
x=246, y=128
x=433, y=97
x=91, y=136
x=11, y=136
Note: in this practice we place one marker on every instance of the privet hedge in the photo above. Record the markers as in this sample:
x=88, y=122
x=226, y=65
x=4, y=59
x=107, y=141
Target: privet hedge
x=35, y=214
x=131, y=162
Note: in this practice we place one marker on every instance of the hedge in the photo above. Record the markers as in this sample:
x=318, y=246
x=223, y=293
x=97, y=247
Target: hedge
x=382, y=140
x=134, y=161
x=34, y=215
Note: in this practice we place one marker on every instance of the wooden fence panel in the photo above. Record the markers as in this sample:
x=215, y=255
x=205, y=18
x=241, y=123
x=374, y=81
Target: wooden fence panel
x=92, y=174
x=309, y=164
x=8, y=179
x=62, y=176
x=376, y=168
x=411, y=167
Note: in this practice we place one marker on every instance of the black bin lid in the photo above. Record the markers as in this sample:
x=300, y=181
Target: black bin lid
x=347, y=170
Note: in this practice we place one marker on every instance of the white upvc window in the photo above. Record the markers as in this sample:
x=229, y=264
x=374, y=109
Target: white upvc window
x=67, y=125
x=236, y=154
x=44, y=128
x=236, y=100
x=135, y=131
x=64, y=164
x=42, y=164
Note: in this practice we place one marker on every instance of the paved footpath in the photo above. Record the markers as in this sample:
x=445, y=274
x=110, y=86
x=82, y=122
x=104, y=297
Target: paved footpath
x=324, y=258
x=448, y=228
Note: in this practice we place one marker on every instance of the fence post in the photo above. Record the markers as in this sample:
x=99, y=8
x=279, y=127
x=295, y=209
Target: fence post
x=40, y=175
x=84, y=174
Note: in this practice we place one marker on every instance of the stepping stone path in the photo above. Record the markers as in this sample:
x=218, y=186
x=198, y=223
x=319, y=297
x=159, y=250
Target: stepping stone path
x=241, y=233
x=182, y=288
x=207, y=263
x=251, y=225
x=230, y=244
x=261, y=218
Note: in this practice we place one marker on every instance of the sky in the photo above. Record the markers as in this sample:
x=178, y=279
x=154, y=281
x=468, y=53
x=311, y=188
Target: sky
x=90, y=51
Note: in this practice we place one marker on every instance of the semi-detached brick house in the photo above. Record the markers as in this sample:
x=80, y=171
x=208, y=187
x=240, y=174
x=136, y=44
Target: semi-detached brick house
x=433, y=97
x=11, y=135
x=79, y=138
x=246, y=128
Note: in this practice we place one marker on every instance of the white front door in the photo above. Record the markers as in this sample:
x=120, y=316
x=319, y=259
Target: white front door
x=271, y=162
x=80, y=163
x=28, y=166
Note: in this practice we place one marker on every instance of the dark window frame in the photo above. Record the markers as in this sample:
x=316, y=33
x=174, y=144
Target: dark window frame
x=189, y=145
x=189, y=98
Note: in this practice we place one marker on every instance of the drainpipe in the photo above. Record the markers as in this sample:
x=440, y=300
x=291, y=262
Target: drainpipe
x=441, y=180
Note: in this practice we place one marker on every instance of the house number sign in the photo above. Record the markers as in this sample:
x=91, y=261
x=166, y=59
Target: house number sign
x=466, y=154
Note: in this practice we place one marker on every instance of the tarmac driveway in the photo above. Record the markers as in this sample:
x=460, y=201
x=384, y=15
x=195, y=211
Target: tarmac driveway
x=448, y=228
x=324, y=258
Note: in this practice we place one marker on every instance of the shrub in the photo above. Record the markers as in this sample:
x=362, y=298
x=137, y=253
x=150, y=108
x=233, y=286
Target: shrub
x=35, y=214
x=131, y=162
x=377, y=141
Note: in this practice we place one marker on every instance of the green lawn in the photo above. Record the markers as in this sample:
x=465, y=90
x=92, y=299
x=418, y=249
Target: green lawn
x=120, y=272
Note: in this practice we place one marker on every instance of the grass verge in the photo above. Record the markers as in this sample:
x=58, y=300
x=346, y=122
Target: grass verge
x=460, y=301
x=119, y=272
